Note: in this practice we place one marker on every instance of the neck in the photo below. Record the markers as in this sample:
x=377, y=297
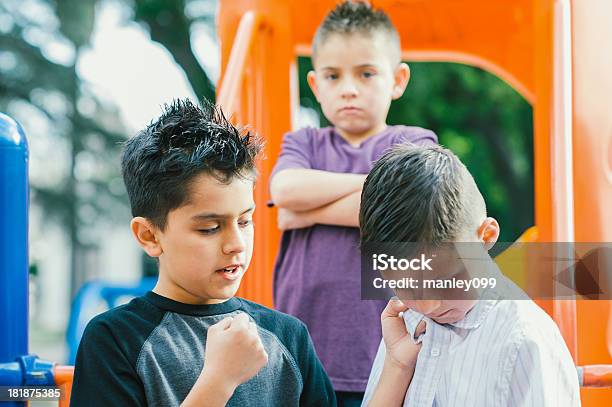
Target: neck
x=177, y=293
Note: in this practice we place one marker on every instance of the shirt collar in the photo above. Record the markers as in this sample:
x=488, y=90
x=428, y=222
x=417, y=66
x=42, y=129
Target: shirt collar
x=475, y=317
x=412, y=319
x=199, y=310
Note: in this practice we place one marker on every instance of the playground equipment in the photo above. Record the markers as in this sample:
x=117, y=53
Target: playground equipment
x=551, y=51
x=17, y=367
x=555, y=53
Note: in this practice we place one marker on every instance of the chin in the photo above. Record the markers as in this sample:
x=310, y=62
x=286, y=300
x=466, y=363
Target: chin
x=227, y=294
x=353, y=126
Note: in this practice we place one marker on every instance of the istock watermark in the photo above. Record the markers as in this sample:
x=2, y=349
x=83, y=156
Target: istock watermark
x=384, y=262
x=458, y=271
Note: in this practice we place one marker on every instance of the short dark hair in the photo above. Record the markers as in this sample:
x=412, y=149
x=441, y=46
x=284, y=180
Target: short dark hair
x=187, y=140
x=417, y=194
x=350, y=17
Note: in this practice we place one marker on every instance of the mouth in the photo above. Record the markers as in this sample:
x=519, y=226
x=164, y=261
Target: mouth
x=350, y=109
x=230, y=272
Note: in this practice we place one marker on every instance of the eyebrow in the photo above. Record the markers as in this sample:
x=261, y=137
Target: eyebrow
x=212, y=215
x=333, y=68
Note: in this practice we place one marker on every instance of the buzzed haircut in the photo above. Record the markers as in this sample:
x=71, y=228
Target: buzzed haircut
x=187, y=140
x=418, y=194
x=356, y=17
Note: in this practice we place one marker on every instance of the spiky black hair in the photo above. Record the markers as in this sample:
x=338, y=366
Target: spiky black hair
x=187, y=140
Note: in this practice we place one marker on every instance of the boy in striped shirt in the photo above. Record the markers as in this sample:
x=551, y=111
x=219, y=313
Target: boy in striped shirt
x=482, y=349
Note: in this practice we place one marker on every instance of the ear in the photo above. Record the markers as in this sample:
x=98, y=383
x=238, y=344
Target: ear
x=145, y=233
x=401, y=77
x=312, y=82
x=488, y=232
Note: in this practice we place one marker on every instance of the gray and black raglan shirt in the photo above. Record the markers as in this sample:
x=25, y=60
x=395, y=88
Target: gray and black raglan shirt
x=151, y=352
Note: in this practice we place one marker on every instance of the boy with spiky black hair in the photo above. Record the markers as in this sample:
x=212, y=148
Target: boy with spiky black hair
x=316, y=184
x=190, y=341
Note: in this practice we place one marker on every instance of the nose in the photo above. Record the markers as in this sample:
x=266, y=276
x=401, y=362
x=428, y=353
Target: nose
x=234, y=241
x=348, y=89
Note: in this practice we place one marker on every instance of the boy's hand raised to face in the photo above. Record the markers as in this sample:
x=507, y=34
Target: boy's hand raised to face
x=402, y=351
x=400, y=358
x=234, y=354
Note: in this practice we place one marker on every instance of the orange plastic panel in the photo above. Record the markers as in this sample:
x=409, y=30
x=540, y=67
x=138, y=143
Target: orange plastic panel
x=265, y=104
x=592, y=53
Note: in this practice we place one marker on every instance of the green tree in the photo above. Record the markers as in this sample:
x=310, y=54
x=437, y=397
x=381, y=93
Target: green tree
x=45, y=91
x=37, y=86
x=169, y=24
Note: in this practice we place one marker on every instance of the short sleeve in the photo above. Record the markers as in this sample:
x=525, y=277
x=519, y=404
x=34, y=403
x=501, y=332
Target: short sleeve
x=103, y=375
x=296, y=152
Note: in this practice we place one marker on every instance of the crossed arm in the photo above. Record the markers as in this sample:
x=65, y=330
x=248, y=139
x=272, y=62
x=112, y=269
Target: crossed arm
x=306, y=197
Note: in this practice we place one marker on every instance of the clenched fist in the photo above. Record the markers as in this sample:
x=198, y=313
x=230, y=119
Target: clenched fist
x=234, y=354
x=234, y=349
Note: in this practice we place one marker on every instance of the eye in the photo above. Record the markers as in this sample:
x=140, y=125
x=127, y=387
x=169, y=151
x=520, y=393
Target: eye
x=331, y=76
x=245, y=223
x=368, y=74
x=209, y=231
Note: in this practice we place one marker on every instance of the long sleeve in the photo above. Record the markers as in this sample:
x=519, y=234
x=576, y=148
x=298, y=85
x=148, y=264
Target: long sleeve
x=318, y=390
x=375, y=373
x=103, y=374
x=543, y=379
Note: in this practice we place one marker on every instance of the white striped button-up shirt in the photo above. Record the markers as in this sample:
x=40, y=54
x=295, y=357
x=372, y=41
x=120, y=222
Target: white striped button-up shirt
x=503, y=353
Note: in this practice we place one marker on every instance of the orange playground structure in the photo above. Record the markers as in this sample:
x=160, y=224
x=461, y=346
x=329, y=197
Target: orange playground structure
x=556, y=53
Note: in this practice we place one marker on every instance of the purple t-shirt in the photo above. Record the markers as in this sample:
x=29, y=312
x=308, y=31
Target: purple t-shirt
x=317, y=271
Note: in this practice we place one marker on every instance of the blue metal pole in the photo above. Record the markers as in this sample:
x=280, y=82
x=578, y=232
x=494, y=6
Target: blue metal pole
x=13, y=241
